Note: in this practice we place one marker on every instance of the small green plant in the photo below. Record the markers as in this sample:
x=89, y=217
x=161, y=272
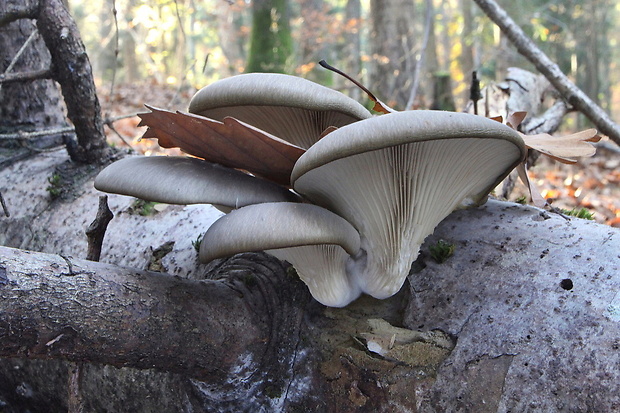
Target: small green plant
x=441, y=251
x=579, y=213
x=142, y=207
x=55, y=186
x=197, y=241
x=521, y=200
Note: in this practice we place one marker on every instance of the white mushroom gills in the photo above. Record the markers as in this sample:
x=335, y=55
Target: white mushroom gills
x=317, y=242
x=408, y=172
x=291, y=108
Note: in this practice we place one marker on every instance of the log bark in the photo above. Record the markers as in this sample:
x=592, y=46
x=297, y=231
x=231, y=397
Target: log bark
x=523, y=316
x=61, y=307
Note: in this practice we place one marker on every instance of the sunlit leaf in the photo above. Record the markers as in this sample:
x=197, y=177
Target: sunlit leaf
x=515, y=119
x=564, y=148
x=230, y=143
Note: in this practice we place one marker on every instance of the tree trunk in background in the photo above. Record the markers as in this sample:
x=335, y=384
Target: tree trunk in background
x=128, y=42
x=393, y=47
x=467, y=46
x=27, y=106
x=315, y=43
x=180, y=54
x=229, y=22
x=432, y=66
x=271, y=44
x=106, y=55
x=442, y=92
x=352, y=53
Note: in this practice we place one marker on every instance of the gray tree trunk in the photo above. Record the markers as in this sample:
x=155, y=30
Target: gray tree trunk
x=393, y=48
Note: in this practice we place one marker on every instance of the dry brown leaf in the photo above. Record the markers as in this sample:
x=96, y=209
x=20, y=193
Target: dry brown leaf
x=231, y=143
x=564, y=148
x=327, y=131
x=535, y=195
x=515, y=118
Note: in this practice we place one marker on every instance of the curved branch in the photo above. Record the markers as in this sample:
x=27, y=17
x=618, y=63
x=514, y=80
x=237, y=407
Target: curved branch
x=60, y=307
x=573, y=95
x=71, y=69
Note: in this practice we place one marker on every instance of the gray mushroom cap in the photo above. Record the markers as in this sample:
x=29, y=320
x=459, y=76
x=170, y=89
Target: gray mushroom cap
x=291, y=108
x=395, y=177
x=183, y=180
x=276, y=225
x=317, y=242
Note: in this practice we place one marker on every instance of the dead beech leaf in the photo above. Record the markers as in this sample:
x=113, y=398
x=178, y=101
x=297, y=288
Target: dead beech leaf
x=515, y=118
x=535, y=195
x=564, y=148
x=379, y=106
x=231, y=143
x=327, y=131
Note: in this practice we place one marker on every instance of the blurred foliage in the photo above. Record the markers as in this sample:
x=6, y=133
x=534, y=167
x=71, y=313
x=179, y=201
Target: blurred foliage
x=188, y=43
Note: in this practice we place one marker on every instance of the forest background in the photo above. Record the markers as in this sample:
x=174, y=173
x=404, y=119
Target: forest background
x=160, y=52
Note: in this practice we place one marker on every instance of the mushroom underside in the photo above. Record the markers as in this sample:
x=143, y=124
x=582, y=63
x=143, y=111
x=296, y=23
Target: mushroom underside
x=300, y=127
x=396, y=196
x=317, y=242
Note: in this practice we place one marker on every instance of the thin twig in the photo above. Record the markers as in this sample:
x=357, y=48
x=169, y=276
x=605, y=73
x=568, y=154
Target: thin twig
x=55, y=131
x=25, y=76
x=4, y=207
x=113, y=129
x=20, y=52
x=116, y=51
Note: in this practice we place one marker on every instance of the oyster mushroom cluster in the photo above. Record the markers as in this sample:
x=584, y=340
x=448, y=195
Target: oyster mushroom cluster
x=310, y=176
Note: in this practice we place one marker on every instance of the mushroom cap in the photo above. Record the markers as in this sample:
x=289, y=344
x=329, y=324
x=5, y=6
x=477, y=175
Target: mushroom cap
x=395, y=177
x=314, y=240
x=183, y=180
x=271, y=226
x=291, y=108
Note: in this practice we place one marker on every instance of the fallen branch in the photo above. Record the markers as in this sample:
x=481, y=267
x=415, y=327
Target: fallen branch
x=25, y=76
x=571, y=93
x=86, y=311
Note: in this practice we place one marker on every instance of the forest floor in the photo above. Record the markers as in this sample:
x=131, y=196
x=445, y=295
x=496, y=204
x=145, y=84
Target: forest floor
x=592, y=183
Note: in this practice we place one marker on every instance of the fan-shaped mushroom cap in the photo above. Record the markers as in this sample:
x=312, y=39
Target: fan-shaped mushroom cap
x=315, y=241
x=291, y=108
x=395, y=177
x=183, y=180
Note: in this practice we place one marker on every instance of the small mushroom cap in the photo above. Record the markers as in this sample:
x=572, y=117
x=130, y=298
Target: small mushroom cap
x=315, y=241
x=272, y=226
x=183, y=180
x=395, y=177
x=291, y=108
